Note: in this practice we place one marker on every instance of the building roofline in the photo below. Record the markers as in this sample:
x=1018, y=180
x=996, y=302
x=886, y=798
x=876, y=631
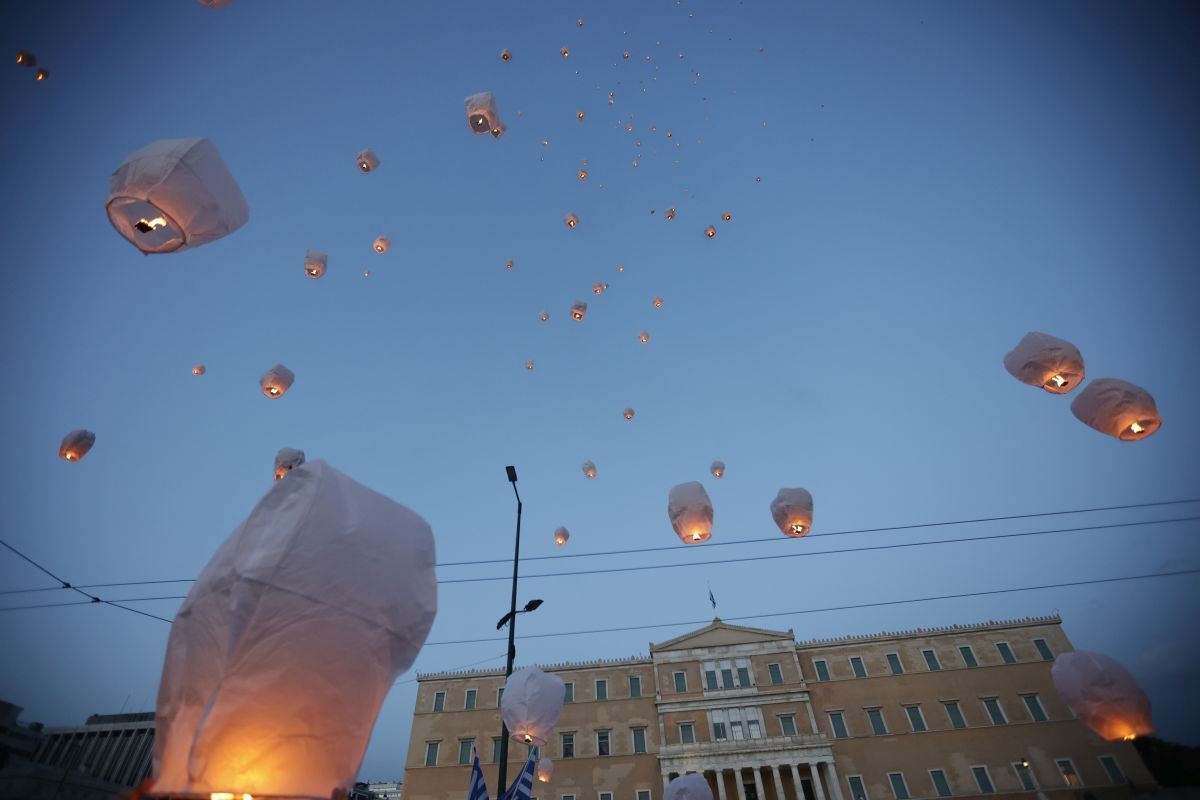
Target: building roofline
x=563, y=665
x=992, y=624
x=718, y=624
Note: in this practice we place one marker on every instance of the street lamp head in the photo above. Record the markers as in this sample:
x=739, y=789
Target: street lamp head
x=503, y=620
x=512, y=474
x=532, y=605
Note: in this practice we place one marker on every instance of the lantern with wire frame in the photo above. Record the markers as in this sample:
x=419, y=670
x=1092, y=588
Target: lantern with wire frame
x=482, y=115
x=276, y=381
x=571, y=220
x=1046, y=361
x=717, y=469
x=692, y=786
x=1118, y=408
x=691, y=512
x=1103, y=695
x=545, y=769
x=589, y=469
x=367, y=160
x=531, y=705
x=76, y=444
x=314, y=263
x=627, y=413
x=382, y=244
x=199, y=369
x=792, y=510
x=175, y=194
x=286, y=460
x=561, y=535
x=578, y=310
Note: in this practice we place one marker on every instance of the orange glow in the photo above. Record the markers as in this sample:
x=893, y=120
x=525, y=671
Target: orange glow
x=528, y=365
x=796, y=528
x=565, y=52
x=727, y=216
x=658, y=302
x=643, y=337
x=571, y=220
x=41, y=75
x=710, y=231
x=505, y=55
x=1136, y=428
x=628, y=413
x=230, y=796
x=583, y=174
x=1129, y=737
x=579, y=115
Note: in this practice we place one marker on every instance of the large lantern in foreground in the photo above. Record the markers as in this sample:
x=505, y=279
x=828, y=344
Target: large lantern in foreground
x=792, y=510
x=482, y=115
x=693, y=786
x=531, y=704
x=1040, y=359
x=278, y=661
x=1103, y=694
x=277, y=380
x=76, y=444
x=175, y=194
x=1118, y=408
x=545, y=769
x=286, y=460
x=691, y=512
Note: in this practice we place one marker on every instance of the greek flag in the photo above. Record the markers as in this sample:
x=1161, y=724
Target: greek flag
x=712, y=599
x=478, y=790
x=522, y=788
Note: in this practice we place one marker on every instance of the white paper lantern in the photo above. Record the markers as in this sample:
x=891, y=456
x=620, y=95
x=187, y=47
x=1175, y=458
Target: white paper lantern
x=1040, y=359
x=578, y=310
x=482, y=116
x=1103, y=695
x=286, y=460
x=367, y=160
x=545, y=769
x=315, y=263
x=276, y=381
x=627, y=413
x=1117, y=408
x=561, y=535
x=382, y=244
x=691, y=512
x=589, y=469
x=531, y=704
x=175, y=194
x=76, y=444
x=792, y=510
x=717, y=468
x=278, y=661
x=688, y=787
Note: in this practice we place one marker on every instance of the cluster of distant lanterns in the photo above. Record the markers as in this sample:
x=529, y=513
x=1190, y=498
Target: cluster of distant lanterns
x=29, y=60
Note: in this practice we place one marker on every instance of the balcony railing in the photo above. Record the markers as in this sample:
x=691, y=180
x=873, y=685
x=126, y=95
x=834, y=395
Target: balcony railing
x=763, y=744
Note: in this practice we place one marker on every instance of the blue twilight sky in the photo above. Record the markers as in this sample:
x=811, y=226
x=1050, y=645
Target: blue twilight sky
x=936, y=180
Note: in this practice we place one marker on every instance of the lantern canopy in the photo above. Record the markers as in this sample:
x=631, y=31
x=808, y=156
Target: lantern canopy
x=382, y=244
x=693, y=786
x=286, y=460
x=76, y=444
x=1117, y=408
x=278, y=661
x=315, y=263
x=717, y=468
x=367, y=160
x=531, y=704
x=175, y=194
x=1040, y=359
x=199, y=369
x=482, y=115
x=571, y=220
x=545, y=769
x=578, y=310
x=277, y=380
x=589, y=469
x=644, y=337
x=792, y=510
x=561, y=536
x=627, y=413
x=691, y=512
x=1103, y=694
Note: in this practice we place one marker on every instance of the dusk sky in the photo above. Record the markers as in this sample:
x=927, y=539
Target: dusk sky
x=913, y=187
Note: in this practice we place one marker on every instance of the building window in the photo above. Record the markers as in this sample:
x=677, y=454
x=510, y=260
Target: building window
x=710, y=680
x=568, y=745
x=687, y=734
x=643, y=794
x=635, y=686
x=464, y=751
x=726, y=678
x=1115, y=774
x=877, y=724
x=940, y=784
x=895, y=666
x=955, y=714
x=719, y=731
x=568, y=797
x=775, y=673
x=681, y=682
x=601, y=689
x=439, y=701
x=743, y=677
x=754, y=728
x=822, y=669
x=1066, y=768
x=606, y=796
x=1034, y=704
x=857, y=790
x=968, y=655
x=837, y=721
x=787, y=724
x=915, y=719
x=1043, y=649
x=497, y=744
x=469, y=700
x=856, y=664
x=499, y=696
x=1006, y=653
x=431, y=753
x=995, y=712
x=931, y=660
x=983, y=780
x=603, y=745
x=639, y=740
x=899, y=787
x=1025, y=776
x=735, y=728
x=569, y=692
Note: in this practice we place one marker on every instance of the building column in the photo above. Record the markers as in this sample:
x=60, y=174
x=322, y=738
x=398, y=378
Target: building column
x=835, y=785
x=741, y=787
x=796, y=783
x=758, y=784
x=818, y=788
x=812, y=718
x=720, y=773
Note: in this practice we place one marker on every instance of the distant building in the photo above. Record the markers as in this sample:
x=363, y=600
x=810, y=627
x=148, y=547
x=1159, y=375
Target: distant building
x=385, y=790
x=17, y=742
x=952, y=712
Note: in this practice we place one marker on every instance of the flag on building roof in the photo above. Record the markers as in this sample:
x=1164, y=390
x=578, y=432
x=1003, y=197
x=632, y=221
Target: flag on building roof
x=478, y=789
x=712, y=599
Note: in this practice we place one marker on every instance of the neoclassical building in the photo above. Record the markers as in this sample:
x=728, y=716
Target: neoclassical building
x=950, y=712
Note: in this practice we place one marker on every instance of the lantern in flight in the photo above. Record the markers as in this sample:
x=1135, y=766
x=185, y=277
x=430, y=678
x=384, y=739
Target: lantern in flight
x=1040, y=359
x=578, y=310
x=531, y=705
x=644, y=337
x=277, y=380
x=41, y=75
x=691, y=512
x=565, y=52
x=286, y=460
x=314, y=263
x=277, y=663
x=658, y=302
x=545, y=769
x=710, y=231
x=506, y=54
x=214, y=3
x=529, y=365
x=545, y=315
x=589, y=469
x=1103, y=694
x=26, y=59
x=482, y=115
x=1117, y=408
x=174, y=194
x=76, y=444
x=717, y=469
x=670, y=213
x=692, y=786
x=727, y=216
x=382, y=244
x=599, y=288
x=509, y=264
x=792, y=510
x=627, y=413
x=571, y=219
x=199, y=369
x=561, y=535
x=367, y=160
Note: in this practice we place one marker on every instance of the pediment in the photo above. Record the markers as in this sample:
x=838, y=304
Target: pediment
x=722, y=634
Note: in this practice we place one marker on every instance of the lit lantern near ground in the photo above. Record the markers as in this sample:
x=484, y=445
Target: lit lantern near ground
x=644, y=337
x=545, y=315
x=578, y=311
x=693, y=786
x=717, y=468
x=277, y=380
x=1040, y=359
x=670, y=213
x=627, y=413
x=561, y=536
x=175, y=194
x=199, y=369
x=506, y=55
x=286, y=460
x=589, y=469
x=531, y=705
x=314, y=263
x=545, y=769
x=691, y=512
x=1117, y=408
x=76, y=444
x=367, y=160
x=710, y=231
x=1103, y=694
x=278, y=662
x=25, y=58
x=382, y=244
x=571, y=219
x=658, y=302
x=482, y=115
x=792, y=510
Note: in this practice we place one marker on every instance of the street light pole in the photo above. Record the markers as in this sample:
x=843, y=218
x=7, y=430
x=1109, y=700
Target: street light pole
x=512, y=633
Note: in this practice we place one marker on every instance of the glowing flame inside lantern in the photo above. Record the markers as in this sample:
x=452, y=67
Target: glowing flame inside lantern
x=273, y=390
x=1136, y=428
x=230, y=796
x=313, y=272
x=148, y=225
x=364, y=166
x=710, y=231
x=1059, y=381
x=796, y=528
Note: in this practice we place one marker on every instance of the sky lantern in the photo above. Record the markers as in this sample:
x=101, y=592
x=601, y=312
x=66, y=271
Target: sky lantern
x=199, y=370
x=174, y=194
x=658, y=302
x=627, y=413
x=529, y=364
x=644, y=337
x=691, y=512
x=565, y=52
x=277, y=661
x=286, y=460
x=1040, y=359
x=710, y=231
x=76, y=444
x=544, y=316
x=599, y=288
x=589, y=469
x=367, y=160
x=506, y=55
x=583, y=173
x=1117, y=408
x=545, y=769
x=580, y=115
x=578, y=310
x=314, y=263
x=277, y=380
x=509, y=264
x=531, y=705
x=792, y=510
x=571, y=219
x=382, y=244
x=26, y=58
x=692, y=786
x=214, y=3
x=717, y=468
x=561, y=535
x=482, y=115
x=726, y=216
x=670, y=214
x=41, y=75
x=1103, y=694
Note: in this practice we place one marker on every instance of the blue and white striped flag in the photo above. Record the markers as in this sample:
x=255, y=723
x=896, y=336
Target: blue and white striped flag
x=522, y=788
x=478, y=790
